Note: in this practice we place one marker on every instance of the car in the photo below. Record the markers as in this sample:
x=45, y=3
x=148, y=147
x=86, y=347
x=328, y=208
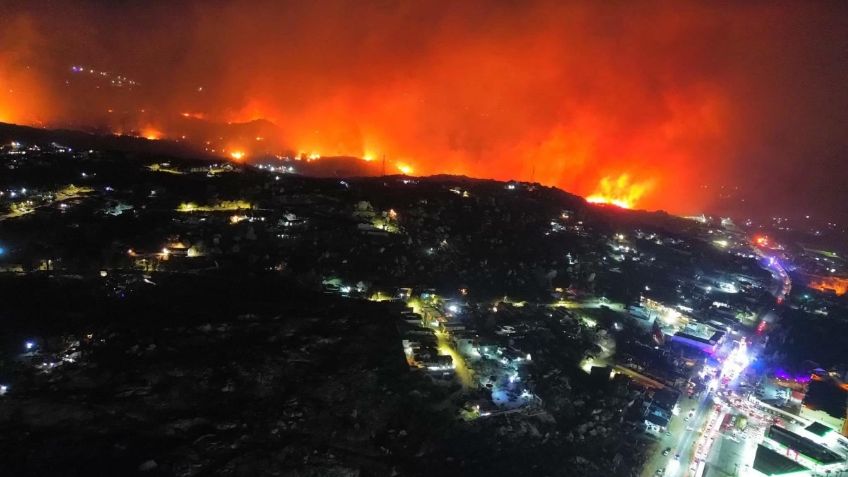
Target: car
x=676, y=456
x=686, y=418
x=660, y=471
x=668, y=433
x=667, y=450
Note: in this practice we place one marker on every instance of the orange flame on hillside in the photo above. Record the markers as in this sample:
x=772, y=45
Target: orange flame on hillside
x=838, y=285
x=560, y=93
x=404, y=169
x=620, y=191
x=151, y=134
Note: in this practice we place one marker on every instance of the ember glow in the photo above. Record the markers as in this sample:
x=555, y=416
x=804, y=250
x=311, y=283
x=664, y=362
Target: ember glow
x=837, y=285
x=761, y=240
x=639, y=106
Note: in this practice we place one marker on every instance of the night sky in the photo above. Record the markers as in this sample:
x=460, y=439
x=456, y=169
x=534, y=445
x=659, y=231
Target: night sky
x=661, y=103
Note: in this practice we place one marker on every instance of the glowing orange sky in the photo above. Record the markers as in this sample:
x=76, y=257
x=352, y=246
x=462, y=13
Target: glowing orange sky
x=573, y=94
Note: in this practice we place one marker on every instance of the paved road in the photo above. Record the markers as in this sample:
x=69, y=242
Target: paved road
x=681, y=440
x=685, y=447
x=726, y=457
x=444, y=344
x=463, y=372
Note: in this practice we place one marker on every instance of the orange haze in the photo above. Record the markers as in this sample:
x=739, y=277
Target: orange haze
x=632, y=103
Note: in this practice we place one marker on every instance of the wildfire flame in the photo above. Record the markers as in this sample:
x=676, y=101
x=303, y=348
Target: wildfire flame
x=560, y=93
x=151, y=134
x=620, y=191
x=838, y=285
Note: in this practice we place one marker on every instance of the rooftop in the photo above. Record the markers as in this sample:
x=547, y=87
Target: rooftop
x=771, y=463
x=803, y=445
x=818, y=429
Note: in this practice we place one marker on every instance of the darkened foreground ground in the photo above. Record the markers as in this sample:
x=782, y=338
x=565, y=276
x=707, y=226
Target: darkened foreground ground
x=178, y=326
x=243, y=376
x=292, y=382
